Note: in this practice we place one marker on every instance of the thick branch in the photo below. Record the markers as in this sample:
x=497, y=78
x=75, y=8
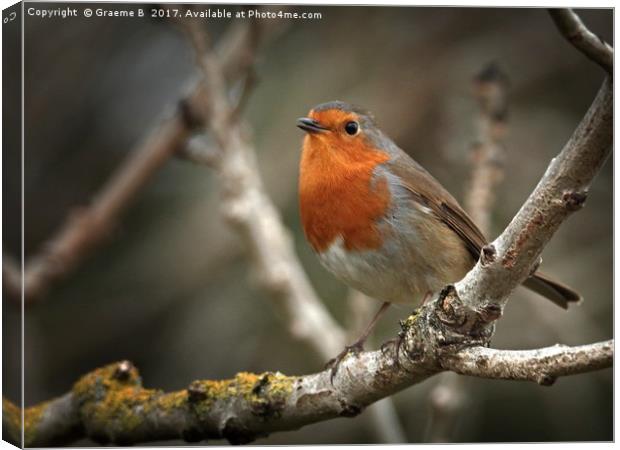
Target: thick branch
x=110, y=404
x=573, y=29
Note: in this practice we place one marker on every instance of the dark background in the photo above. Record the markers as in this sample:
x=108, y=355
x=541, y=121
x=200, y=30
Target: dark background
x=171, y=290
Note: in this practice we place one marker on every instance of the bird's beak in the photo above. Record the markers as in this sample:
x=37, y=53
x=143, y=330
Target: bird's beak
x=310, y=125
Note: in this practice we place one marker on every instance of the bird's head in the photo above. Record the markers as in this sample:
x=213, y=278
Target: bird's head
x=341, y=129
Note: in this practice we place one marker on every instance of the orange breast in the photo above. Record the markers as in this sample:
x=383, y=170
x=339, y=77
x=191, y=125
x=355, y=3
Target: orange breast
x=338, y=196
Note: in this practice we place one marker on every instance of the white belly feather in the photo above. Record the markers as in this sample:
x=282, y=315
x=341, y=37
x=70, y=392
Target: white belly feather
x=371, y=273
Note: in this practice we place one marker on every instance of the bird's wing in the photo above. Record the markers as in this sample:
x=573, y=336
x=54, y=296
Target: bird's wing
x=426, y=190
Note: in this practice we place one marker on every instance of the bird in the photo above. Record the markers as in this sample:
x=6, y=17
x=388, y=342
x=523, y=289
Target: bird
x=379, y=221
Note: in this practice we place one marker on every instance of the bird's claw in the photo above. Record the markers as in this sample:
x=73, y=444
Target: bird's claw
x=334, y=363
x=396, y=343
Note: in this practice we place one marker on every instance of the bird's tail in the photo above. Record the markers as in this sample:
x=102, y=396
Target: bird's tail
x=555, y=291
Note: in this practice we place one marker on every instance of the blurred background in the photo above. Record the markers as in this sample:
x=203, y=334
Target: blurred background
x=171, y=289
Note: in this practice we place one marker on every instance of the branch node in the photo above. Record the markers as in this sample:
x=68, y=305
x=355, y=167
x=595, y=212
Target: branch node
x=236, y=212
x=487, y=256
x=490, y=312
x=574, y=200
x=545, y=379
x=449, y=309
x=536, y=265
x=464, y=325
x=349, y=410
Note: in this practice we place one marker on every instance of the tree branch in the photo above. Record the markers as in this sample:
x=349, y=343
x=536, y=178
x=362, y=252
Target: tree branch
x=591, y=45
x=110, y=405
x=562, y=190
x=542, y=366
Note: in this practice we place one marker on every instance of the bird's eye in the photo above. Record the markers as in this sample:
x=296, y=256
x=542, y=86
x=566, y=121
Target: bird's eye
x=351, y=128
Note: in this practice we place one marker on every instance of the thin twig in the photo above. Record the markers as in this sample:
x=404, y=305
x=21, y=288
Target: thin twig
x=591, y=45
x=542, y=366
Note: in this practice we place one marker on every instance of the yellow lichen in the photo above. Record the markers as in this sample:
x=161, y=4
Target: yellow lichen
x=113, y=402
x=409, y=321
x=265, y=393
x=107, y=378
x=32, y=417
x=173, y=400
x=11, y=415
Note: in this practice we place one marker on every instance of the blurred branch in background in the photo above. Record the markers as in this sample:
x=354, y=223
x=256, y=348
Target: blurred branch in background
x=490, y=88
x=248, y=208
x=87, y=227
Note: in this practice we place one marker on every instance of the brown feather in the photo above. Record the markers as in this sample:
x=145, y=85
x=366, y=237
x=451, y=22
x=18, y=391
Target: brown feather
x=426, y=190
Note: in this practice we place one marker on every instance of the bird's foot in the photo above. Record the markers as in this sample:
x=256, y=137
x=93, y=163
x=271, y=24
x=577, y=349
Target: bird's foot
x=393, y=345
x=334, y=363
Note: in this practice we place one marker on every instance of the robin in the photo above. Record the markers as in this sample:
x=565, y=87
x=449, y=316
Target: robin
x=379, y=221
